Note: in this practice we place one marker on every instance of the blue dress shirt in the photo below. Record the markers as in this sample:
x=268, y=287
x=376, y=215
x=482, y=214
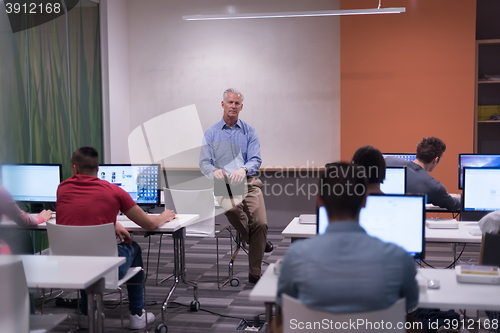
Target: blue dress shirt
x=230, y=148
x=346, y=271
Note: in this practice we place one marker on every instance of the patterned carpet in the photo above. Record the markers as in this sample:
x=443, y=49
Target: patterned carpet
x=221, y=310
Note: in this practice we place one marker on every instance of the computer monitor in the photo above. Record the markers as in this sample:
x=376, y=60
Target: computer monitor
x=398, y=219
x=403, y=156
x=141, y=181
x=395, y=181
x=481, y=192
x=475, y=160
x=35, y=183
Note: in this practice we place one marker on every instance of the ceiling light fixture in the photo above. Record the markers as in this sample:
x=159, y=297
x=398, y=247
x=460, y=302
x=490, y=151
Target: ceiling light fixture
x=379, y=10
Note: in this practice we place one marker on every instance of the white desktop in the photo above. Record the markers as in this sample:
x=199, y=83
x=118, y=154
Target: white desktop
x=395, y=181
x=398, y=219
x=32, y=182
x=481, y=189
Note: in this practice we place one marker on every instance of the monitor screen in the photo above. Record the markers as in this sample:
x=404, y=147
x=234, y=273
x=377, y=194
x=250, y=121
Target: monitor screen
x=407, y=157
x=32, y=182
x=395, y=180
x=477, y=161
x=481, y=189
x=141, y=181
x=398, y=219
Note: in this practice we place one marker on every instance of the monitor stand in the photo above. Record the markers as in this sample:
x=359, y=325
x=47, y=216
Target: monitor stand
x=472, y=215
x=36, y=208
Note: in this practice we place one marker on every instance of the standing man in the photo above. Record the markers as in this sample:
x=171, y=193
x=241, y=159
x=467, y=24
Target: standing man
x=429, y=152
x=231, y=154
x=85, y=199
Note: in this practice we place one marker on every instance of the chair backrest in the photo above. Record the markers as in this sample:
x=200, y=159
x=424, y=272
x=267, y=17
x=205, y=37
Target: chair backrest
x=96, y=240
x=490, y=250
x=14, y=305
x=294, y=312
x=199, y=202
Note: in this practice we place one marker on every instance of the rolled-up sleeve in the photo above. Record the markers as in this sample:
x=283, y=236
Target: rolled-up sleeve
x=9, y=208
x=253, y=153
x=206, y=157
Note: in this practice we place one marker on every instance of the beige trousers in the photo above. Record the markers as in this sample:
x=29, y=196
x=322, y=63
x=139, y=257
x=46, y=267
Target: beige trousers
x=248, y=216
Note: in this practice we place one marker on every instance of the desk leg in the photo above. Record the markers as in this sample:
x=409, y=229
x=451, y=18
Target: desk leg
x=269, y=315
x=95, y=289
x=180, y=273
x=454, y=246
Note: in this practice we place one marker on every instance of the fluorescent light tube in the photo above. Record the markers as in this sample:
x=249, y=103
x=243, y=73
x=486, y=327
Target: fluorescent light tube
x=295, y=14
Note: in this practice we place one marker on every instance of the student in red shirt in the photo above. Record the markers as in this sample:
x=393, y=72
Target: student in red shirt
x=85, y=199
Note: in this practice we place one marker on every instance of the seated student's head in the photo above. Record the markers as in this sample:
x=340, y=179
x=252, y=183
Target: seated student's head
x=429, y=151
x=371, y=159
x=85, y=161
x=343, y=191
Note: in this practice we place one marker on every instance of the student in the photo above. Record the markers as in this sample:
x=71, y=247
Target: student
x=231, y=151
x=19, y=242
x=85, y=199
x=345, y=270
x=429, y=153
x=371, y=159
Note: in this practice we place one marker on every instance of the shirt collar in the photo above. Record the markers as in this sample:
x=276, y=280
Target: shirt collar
x=415, y=166
x=344, y=226
x=84, y=177
x=222, y=124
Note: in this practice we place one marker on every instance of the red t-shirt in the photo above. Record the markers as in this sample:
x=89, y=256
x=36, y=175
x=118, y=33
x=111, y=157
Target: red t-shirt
x=88, y=200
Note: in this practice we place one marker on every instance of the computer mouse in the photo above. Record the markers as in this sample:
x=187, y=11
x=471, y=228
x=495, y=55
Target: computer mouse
x=433, y=284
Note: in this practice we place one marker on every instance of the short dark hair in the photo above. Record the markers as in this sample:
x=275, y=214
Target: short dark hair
x=371, y=159
x=430, y=148
x=86, y=158
x=343, y=188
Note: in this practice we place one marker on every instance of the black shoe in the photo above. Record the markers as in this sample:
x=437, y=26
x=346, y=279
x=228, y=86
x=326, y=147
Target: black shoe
x=253, y=279
x=269, y=247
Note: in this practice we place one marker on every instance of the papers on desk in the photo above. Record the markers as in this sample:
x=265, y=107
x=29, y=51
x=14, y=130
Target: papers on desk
x=478, y=274
x=307, y=219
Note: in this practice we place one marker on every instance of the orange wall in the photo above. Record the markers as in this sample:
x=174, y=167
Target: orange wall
x=407, y=76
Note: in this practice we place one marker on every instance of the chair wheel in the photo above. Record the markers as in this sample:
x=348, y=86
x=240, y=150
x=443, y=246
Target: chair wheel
x=234, y=282
x=194, y=306
x=161, y=328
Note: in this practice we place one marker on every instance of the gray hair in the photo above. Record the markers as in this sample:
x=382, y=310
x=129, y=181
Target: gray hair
x=231, y=90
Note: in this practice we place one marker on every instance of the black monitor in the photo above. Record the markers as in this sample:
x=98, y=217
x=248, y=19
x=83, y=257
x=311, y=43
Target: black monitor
x=481, y=193
x=398, y=219
x=141, y=181
x=395, y=180
x=35, y=183
x=403, y=156
x=476, y=161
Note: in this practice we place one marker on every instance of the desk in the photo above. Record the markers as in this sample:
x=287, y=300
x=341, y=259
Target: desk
x=265, y=291
x=296, y=230
x=68, y=272
x=176, y=227
x=461, y=235
x=451, y=295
